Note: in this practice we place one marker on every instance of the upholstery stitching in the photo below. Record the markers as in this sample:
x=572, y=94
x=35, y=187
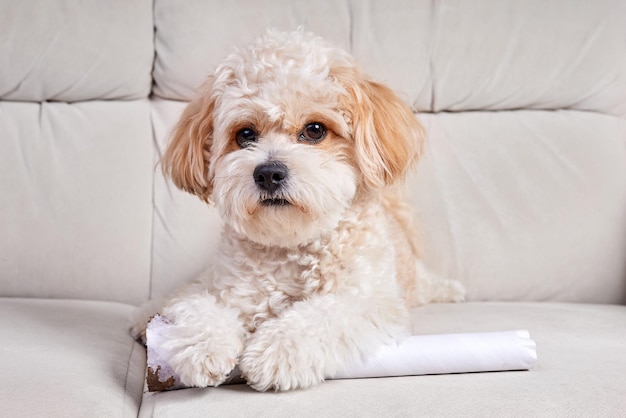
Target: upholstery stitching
x=126, y=394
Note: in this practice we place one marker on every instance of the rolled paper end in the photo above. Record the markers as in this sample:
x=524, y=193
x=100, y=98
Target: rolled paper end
x=159, y=375
x=447, y=354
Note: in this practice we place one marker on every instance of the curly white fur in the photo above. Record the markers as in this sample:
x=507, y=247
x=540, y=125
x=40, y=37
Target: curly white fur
x=301, y=289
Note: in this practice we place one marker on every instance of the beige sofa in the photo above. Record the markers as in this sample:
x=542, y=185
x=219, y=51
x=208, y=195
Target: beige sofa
x=521, y=195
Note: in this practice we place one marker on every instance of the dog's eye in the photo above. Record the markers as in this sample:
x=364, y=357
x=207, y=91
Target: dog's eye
x=245, y=137
x=313, y=132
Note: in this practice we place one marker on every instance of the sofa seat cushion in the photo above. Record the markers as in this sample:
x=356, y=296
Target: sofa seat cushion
x=580, y=372
x=68, y=358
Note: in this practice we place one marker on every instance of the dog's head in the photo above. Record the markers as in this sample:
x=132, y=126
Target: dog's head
x=286, y=134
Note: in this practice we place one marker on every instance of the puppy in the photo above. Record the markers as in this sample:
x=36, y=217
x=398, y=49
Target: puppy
x=302, y=155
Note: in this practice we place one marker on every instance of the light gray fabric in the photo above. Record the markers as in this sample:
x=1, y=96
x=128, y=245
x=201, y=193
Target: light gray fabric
x=71, y=51
x=449, y=55
x=76, y=187
x=572, y=377
x=525, y=205
x=62, y=358
x=540, y=54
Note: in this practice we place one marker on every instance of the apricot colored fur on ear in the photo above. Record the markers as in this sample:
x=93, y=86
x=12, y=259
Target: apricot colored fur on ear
x=388, y=138
x=186, y=159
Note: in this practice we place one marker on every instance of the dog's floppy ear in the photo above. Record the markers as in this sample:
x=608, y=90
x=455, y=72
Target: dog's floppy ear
x=388, y=138
x=186, y=159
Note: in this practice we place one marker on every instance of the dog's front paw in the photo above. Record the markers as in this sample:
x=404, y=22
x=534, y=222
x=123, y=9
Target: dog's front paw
x=204, y=359
x=281, y=359
x=203, y=341
x=199, y=368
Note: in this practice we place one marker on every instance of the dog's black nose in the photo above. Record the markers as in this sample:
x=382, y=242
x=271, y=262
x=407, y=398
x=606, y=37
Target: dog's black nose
x=270, y=176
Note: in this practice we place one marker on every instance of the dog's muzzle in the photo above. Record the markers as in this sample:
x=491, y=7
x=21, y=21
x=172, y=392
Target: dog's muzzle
x=270, y=177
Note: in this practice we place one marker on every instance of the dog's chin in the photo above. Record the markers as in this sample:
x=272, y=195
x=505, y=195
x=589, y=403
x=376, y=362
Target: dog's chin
x=280, y=222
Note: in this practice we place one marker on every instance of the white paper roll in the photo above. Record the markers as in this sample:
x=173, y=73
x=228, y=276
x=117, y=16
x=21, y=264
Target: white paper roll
x=416, y=355
x=449, y=353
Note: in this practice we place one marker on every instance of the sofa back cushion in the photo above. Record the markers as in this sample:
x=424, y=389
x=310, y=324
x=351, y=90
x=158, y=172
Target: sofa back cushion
x=521, y=192
x=449, y=55
x=76, y=153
